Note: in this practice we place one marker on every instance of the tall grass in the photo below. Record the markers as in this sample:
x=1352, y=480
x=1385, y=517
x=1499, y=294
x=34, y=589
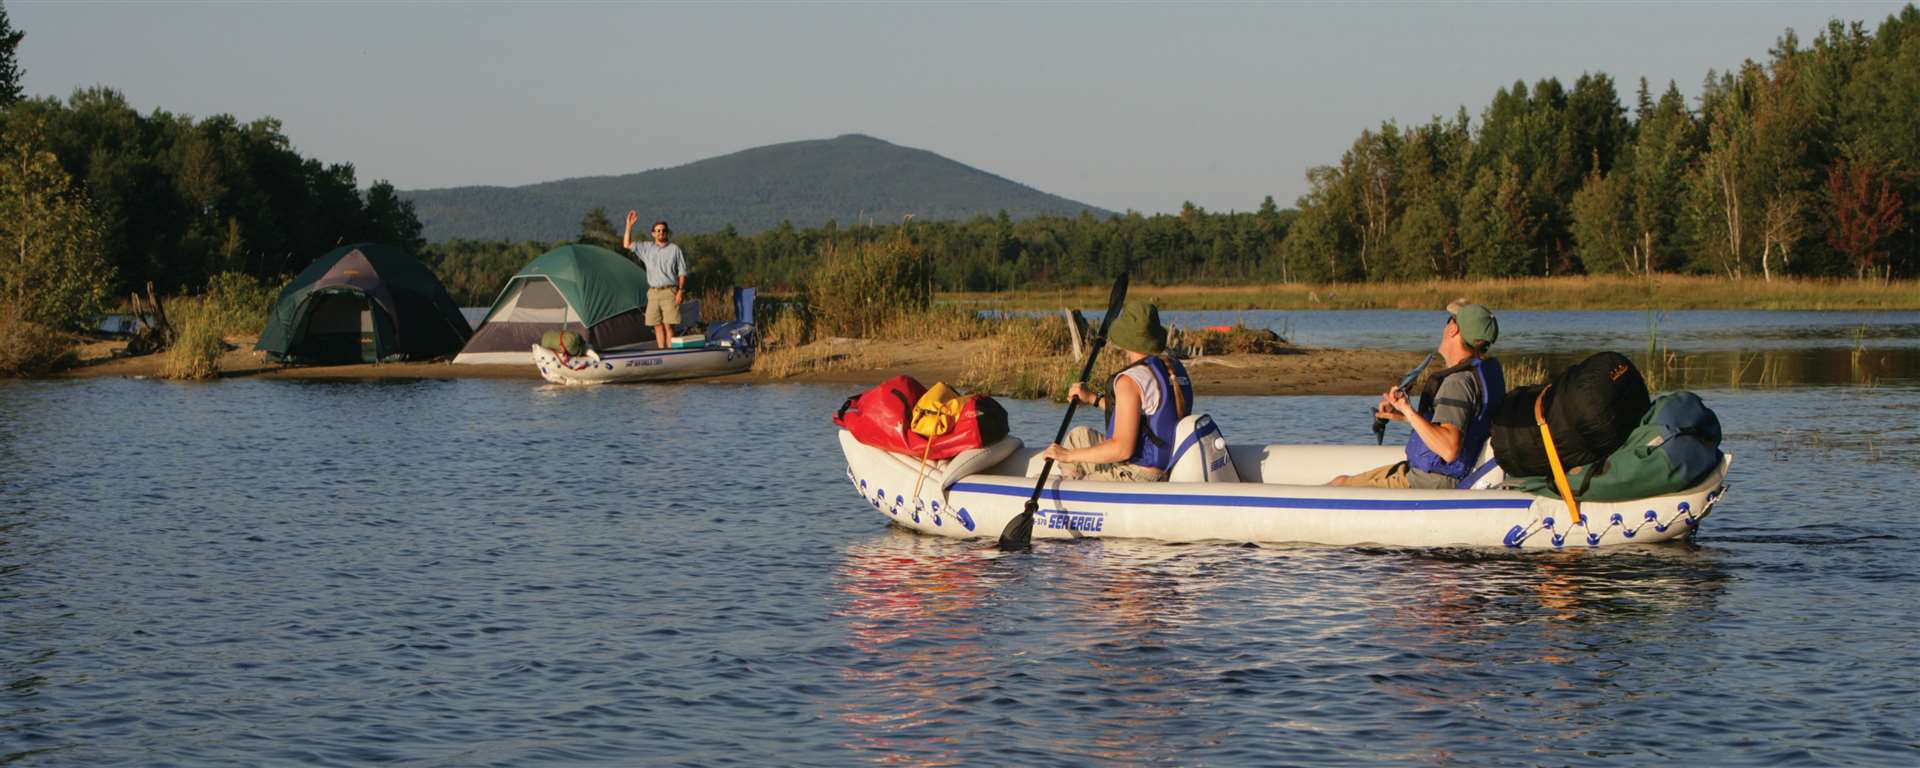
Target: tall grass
x=1544, y=293
x=197, y=342
x=237, y=304
x=858, y=288
x=31, y=349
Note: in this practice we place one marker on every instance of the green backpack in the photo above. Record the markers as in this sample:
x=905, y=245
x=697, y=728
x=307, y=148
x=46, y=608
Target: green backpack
x=564, y=341
x=1675, y=447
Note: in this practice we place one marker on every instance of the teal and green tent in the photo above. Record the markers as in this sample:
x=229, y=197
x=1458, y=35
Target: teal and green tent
x=589, y=290
x=364, y=302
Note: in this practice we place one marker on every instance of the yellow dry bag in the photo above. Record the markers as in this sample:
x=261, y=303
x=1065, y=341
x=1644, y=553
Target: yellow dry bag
x=936, y=413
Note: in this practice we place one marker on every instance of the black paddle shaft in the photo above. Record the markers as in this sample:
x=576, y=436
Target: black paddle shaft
x=1019, y=531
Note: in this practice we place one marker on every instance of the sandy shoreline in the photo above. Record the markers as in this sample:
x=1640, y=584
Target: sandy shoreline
x=852, y=362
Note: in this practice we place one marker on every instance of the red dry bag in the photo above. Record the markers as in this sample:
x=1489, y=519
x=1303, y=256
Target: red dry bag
x=882, y=417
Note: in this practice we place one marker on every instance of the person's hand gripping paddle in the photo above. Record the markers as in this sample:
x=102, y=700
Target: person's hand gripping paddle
x=1379, y=421
x=1018, y=534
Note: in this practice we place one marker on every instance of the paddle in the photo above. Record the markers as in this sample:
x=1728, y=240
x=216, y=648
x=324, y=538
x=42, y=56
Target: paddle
x=1380, y=422
x=1018, y=534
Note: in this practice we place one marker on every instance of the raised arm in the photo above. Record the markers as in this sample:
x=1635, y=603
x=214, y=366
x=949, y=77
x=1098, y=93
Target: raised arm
x=626, y=237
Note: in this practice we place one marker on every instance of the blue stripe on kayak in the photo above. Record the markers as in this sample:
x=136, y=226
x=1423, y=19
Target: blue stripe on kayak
x=1197, y=499
x=661, y=353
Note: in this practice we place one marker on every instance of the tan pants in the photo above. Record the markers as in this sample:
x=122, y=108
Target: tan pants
x=1087, y=437
x=1390, y=476
x=661, y=308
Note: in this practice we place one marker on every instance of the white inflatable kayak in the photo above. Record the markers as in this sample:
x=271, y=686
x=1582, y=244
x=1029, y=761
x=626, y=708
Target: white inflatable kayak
x=1270, y=493
x=728, y=349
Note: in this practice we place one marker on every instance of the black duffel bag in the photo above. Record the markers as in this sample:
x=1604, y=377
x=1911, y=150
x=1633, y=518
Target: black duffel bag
x=1591, y=407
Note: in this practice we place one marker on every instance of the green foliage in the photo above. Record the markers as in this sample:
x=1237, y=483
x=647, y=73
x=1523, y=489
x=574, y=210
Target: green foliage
x=178, y=200
x=197, y=344
x=30, y=349
x=51, y=267
x=10, y=72
x=237, y=304
x=858, y=288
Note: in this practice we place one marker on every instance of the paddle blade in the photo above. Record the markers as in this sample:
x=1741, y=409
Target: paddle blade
x=1116, y=301
x=1018, y=535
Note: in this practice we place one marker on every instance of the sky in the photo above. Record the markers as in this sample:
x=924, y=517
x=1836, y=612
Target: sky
x=1137, y=106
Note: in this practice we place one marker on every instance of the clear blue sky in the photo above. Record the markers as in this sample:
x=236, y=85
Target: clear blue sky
x=1122, y=106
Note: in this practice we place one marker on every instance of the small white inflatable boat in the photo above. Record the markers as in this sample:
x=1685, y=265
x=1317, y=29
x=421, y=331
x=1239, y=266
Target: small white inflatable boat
x=1270, y=493
x=727, y=348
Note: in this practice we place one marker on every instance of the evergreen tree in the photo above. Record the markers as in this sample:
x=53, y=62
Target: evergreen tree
x=10, y=71
x=597, y=229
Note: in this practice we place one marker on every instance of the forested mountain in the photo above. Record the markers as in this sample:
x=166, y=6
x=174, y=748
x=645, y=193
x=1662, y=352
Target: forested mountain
x=849, y=179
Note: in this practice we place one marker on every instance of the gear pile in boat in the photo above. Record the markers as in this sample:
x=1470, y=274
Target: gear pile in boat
x=1614, y=443
x=882, y=417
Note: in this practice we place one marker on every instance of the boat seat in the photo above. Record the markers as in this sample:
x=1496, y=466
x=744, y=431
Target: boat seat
x=1486, y=471
x=1200, y=453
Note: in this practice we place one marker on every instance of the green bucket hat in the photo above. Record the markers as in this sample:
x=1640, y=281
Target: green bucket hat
x=1478, y=328
x=1138, y=329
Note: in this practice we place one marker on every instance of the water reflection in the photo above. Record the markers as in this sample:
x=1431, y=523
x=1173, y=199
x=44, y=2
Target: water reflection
x=1126, y=631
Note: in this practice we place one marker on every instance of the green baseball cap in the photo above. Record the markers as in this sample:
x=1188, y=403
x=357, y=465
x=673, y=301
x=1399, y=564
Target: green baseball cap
x=1476, y=323
x=1138, y=329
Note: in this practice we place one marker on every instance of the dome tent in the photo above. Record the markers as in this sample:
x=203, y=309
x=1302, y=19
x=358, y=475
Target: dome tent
x=586, y=289
x=364, y=302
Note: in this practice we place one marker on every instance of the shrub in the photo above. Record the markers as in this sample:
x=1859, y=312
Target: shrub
x=237, y=304
x=31, y=349
x=197, y=344
x=857, y=288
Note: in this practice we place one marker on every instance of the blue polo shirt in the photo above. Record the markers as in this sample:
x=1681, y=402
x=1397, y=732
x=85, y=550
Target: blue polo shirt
x=665, y=263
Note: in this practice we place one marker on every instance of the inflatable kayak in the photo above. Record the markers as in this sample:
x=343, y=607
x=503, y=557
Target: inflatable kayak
x=1269, y=493
x=726, y=349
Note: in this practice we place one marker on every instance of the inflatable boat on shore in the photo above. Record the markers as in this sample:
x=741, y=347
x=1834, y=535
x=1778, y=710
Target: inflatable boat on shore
x=1270, y=493
x=727, y=348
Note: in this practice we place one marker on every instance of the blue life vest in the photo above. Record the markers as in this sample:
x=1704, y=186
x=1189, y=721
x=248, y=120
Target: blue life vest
x=1153, y=446
x=1473, y=435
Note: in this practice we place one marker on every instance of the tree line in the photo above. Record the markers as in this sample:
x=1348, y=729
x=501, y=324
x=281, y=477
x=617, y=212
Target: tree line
x=1802, y=164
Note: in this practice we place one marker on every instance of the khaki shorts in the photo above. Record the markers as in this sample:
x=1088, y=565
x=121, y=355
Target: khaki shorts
x=1390, y=476
x=661, y=308
x=1087, y=437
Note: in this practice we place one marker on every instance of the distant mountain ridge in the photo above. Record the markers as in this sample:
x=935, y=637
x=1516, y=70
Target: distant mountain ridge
x=848, y=178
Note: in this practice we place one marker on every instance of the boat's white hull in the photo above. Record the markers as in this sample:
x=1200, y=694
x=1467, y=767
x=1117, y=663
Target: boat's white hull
x=644, y=365
x=1279, y=504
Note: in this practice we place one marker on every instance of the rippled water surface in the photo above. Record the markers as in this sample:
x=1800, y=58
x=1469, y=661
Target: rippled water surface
x=498, y=573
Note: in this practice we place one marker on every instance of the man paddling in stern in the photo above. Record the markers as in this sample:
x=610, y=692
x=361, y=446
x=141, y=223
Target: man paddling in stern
x=1455, y=414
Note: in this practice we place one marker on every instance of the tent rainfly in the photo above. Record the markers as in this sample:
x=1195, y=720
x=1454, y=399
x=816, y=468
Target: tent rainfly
x=586, y=289
x=364, y=302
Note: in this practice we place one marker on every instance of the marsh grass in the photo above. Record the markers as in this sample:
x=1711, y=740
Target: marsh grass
x=237, y=304
x=30, y=349
x=858, y=288
x=197, y=343
x=1024, y=357
x=1525, y=372
x=1237, y=339
x=1545, y=293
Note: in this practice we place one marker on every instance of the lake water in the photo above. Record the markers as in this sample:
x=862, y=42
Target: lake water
x=502, y=573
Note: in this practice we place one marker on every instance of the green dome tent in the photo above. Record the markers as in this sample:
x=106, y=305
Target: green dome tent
x=589, y=290
x=364, y=302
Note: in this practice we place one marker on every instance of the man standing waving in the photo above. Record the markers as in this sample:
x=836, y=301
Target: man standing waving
x=666, y=277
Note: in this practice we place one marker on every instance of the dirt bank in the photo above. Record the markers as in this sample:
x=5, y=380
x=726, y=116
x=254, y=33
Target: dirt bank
x=852, y=362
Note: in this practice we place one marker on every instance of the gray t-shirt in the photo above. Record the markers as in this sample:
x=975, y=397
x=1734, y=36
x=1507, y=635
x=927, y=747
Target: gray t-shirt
x=1459, y=396
x=665, y=263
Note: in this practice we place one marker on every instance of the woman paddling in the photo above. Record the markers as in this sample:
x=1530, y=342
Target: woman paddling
x=1149, y=397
